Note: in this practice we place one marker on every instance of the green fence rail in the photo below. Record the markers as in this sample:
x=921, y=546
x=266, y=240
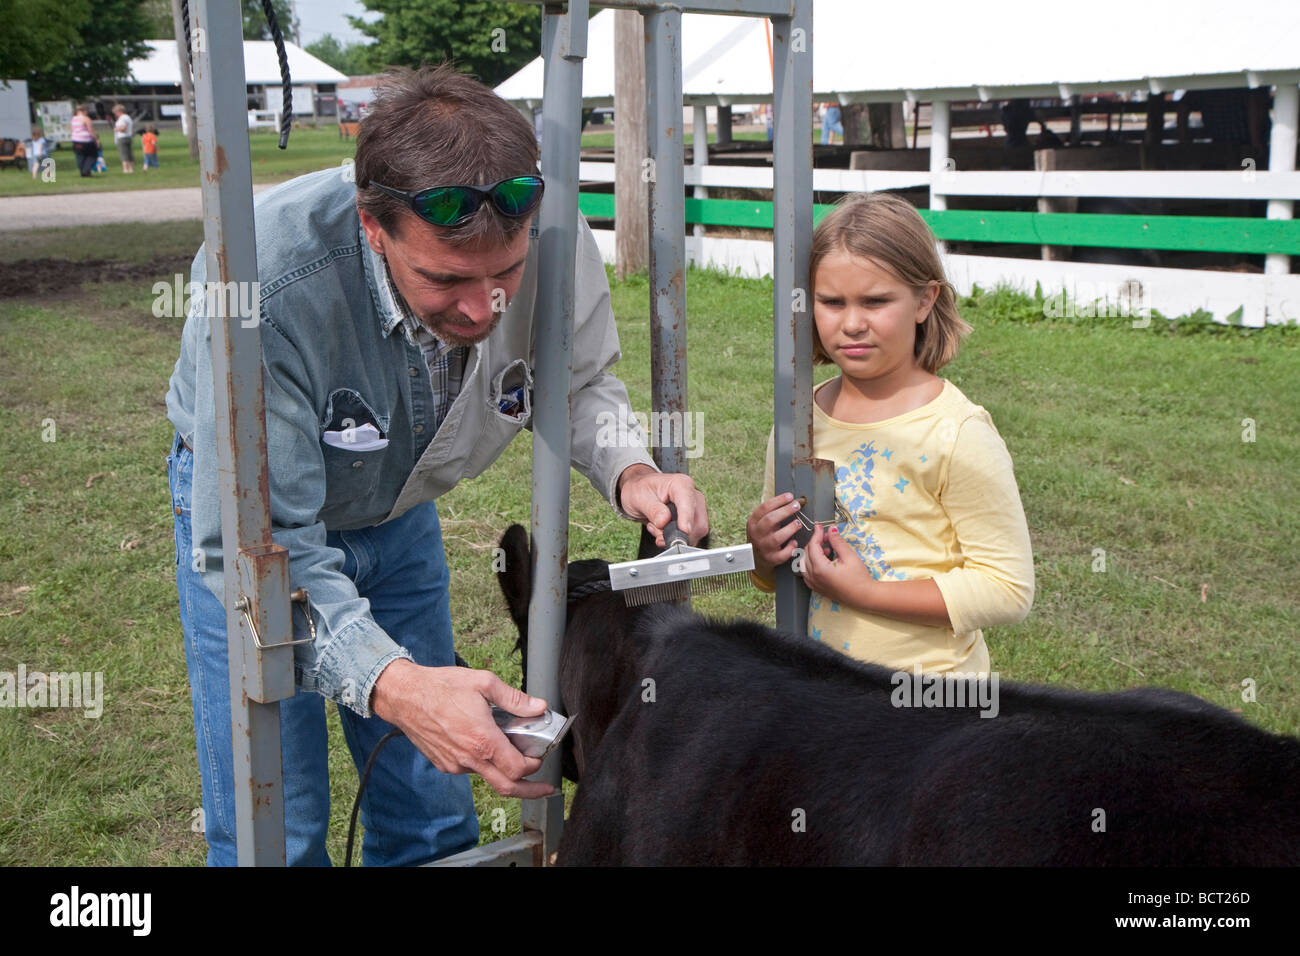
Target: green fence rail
x=1195, y=233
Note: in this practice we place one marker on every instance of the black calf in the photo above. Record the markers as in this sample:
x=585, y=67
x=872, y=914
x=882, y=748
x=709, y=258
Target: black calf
x=706, y=742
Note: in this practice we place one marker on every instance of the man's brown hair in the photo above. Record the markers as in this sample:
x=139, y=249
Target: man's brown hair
x=886, y=229
x=436, y=126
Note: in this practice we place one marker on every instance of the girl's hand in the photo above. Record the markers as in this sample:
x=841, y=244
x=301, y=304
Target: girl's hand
x=843, y=579
x=771, y=532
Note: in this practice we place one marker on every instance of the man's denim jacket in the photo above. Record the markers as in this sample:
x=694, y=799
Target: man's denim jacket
x=333, y=349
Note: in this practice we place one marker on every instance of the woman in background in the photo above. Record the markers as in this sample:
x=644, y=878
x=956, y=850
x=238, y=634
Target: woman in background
x=85, y=144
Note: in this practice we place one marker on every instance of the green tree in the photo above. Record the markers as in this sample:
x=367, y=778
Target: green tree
x=256, y=27
x=489, y=39
x=37, y=34
x=159, y=15
x=97, y=59
x=353, y=59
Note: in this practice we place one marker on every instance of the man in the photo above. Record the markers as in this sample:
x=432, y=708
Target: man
x=396, y=325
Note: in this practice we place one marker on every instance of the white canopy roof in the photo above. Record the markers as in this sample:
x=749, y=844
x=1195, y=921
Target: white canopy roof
x=867, y=50
x=261, y=65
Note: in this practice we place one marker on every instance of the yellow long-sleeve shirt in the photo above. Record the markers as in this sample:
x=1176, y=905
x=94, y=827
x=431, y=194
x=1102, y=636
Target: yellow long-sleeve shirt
x=932, y=494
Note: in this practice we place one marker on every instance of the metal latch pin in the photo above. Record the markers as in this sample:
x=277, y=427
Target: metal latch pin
x=299, y=596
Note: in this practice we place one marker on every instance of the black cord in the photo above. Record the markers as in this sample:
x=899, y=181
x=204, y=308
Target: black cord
x=286, y=82
x=185, y=19
x=286, y=118
x=365, y=776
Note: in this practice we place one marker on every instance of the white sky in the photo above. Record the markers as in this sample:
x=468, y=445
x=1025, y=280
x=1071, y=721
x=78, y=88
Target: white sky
x=319, y=17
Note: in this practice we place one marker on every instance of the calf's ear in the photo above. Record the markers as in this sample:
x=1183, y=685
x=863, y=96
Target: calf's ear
x=647, y=547
x=515, y=576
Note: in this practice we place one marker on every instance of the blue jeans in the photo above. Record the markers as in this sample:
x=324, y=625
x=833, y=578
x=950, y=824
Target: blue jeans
x=412, y=812
x=831, y=124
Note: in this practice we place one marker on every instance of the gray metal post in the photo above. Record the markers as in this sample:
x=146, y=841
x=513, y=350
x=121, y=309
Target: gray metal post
x=792, y=297
x=256, y=570
x=564, y=45
x=664, y=138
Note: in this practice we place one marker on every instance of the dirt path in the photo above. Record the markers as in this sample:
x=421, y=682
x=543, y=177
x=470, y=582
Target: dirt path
x=94, y=209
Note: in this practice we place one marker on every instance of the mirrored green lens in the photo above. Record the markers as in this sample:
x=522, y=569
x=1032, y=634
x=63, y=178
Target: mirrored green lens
x=515, y=197
x=447, y=206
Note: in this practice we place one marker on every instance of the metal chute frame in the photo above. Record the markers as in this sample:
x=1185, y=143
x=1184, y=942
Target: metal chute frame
x=261, y=676
x=564, y=42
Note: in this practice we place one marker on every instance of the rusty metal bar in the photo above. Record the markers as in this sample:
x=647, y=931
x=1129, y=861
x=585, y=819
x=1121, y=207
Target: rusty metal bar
x=256, y=570
x=564, y=38
x=564, y=46
x=524, y=849
x=792, y=297
x=667, y=220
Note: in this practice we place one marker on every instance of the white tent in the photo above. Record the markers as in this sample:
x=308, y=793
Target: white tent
x=261, y=65
x=957, y=50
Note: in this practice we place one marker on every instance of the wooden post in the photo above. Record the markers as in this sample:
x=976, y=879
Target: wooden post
x=1046, y=160
x=631, y=232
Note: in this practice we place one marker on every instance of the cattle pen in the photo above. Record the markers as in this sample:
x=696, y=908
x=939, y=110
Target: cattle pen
x=1129, y=210
x=261, y=616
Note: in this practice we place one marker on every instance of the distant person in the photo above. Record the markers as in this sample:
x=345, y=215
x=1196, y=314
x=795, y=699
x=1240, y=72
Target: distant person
x=149, y=140
x=831, y=124
x=123, y=131
x=37, y=150
x=85, y=144
x=1016, y=116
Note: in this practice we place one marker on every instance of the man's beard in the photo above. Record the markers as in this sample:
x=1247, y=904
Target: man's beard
x=458, y=333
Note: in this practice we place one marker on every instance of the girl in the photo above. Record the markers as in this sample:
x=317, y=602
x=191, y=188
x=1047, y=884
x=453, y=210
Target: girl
x=36, y=151
x=930, y=545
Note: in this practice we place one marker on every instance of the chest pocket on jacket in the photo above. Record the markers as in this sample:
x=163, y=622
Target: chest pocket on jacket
x=352, y=459
x=510, y=408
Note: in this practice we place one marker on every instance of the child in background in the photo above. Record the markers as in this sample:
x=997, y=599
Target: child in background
x=150, y=141
x=931, y=543
x=37, y=150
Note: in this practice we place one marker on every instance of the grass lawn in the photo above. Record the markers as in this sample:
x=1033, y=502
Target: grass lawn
x=308, y=150
x=1124, y=440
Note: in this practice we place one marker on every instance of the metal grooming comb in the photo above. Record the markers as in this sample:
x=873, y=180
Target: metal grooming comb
x=681, y=570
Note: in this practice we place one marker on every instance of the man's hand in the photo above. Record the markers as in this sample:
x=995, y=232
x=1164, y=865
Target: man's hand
x=770, y=530
x=445, y=712
x=644, y=493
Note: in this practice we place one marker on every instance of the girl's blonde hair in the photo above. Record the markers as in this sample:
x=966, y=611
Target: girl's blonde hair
x=886, y=229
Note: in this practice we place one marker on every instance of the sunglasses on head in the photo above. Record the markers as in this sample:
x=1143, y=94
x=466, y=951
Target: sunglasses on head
x=454, y=205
